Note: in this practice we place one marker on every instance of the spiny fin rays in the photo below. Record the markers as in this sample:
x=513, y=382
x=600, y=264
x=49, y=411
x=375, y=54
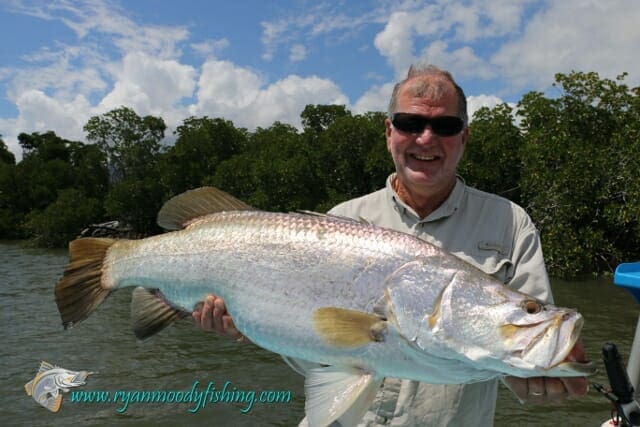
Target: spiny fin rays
x=182, y=209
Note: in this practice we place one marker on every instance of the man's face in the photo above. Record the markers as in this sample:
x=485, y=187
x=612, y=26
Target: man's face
x=425, y=162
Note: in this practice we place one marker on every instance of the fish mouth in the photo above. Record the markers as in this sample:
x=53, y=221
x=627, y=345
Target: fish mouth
x=551, y=347
x=566, y=365
x=564, y=353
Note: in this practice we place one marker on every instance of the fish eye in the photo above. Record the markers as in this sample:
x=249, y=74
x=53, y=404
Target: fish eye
x=531, y=306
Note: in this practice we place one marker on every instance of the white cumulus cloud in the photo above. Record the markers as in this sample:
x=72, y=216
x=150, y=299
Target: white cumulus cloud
x=243, y=96
x=584, y=35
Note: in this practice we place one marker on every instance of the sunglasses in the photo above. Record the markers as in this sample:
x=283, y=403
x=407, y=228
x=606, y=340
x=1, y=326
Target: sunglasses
x=415, y=123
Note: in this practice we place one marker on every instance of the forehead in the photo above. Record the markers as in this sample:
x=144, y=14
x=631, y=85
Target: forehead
x=428, y=92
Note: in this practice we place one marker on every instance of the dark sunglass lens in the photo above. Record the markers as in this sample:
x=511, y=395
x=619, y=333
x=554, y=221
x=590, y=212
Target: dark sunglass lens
x=447, y=126
x=414, y=123
x=409, y=122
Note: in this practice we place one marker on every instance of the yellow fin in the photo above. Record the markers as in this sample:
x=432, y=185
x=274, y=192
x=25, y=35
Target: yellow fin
x=54, y=404
x=80, y=290
x=184, y=208
x=342, y=327
x=28, y=387
x=151, y=312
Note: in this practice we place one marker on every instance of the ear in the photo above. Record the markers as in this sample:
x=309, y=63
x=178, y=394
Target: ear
x=465, y=136
x=387, y=132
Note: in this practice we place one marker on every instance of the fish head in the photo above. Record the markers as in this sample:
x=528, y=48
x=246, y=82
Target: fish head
x=541, y=336
x=65, y=379
x=469, y=316
x=494, y=327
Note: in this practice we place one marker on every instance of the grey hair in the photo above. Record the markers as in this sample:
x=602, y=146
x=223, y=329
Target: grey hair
x=429, y=80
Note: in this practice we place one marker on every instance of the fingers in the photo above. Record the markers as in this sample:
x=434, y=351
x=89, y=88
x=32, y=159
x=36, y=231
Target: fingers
x=218, y=311
x=576, y=386
x=230, y=327
x=546, y=390
x=203, y=314
x=518, y=386
x=211, y=315
x=536, y=387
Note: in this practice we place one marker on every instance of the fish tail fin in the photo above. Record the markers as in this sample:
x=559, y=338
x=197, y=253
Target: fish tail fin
x=80, y=291
x=28, y=387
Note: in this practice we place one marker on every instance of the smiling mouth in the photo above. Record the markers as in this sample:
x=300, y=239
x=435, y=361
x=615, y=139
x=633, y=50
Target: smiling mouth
x=424, y=158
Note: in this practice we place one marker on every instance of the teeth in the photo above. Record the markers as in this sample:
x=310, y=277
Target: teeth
x=424, y=157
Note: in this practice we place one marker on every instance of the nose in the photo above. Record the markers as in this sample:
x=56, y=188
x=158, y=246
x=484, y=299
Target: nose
x=426, y=136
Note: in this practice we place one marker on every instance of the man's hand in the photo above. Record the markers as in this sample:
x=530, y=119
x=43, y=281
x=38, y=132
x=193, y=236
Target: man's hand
x=544, y=390
x=212, y=316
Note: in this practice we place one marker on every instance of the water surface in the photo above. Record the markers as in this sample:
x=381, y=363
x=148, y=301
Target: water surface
x=31, y=331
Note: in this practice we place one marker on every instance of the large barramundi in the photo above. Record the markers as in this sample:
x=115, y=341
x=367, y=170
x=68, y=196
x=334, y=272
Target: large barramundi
x=363, y=301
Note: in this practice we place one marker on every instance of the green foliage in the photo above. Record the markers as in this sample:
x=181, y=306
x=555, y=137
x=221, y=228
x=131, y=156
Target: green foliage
x=570, y=160
x=6, y=156
x=131, y=143
x=202, y=144
x=131, y=147
x=61, y=221
x=492, y=159
x=317, y=118
x=10, y=216
x=578, y=175
x=348, y=157
x=136, y=202
x=273, y=173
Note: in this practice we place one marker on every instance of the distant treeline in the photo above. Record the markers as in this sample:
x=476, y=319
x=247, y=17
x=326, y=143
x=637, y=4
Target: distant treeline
x=573, y=161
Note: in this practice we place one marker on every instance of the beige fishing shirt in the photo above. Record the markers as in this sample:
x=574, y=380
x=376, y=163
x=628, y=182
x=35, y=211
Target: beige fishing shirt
x=485, y=230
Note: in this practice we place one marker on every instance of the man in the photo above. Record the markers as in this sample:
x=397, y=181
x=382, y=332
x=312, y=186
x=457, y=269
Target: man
x=426, y=133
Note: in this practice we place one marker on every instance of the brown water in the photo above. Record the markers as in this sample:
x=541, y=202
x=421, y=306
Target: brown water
x=30, y=331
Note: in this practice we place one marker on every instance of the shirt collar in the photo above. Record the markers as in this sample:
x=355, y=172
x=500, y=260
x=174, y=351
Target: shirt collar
x=446, y=209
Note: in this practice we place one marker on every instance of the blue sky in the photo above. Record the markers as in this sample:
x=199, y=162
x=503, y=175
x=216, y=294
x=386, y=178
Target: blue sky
x=255, y=62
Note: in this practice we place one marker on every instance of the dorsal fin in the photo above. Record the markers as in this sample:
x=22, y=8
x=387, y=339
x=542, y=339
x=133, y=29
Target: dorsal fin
x=184, y=208
x=45, y=366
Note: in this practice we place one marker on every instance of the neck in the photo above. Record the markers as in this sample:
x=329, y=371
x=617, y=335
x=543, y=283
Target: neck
x=423, y=205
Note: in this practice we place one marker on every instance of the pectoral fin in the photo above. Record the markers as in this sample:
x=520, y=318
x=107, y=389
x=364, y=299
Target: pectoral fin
x=151, y=313
x=342, y=327
x=339, y=393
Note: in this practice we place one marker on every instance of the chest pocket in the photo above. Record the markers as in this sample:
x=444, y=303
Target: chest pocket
x=491, y=257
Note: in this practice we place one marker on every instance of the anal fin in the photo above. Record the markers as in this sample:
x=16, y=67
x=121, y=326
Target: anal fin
x=54, y=404
x=151, y=312
x=339, y=394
